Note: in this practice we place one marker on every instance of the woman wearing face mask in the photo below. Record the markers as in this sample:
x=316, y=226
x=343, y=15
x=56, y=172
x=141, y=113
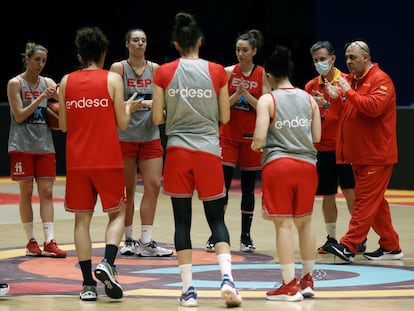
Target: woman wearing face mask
x=330, y=174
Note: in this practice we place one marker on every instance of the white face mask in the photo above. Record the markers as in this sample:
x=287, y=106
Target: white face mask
x=323, y=67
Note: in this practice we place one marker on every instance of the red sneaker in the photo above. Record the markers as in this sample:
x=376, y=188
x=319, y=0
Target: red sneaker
x=32, y=248
x=286, y=292
x=306, y=286
x=52, y=250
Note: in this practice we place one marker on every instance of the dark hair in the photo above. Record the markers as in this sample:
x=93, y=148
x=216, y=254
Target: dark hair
x=280, y=63
x=323, y=45
x=91, y=42
x=254, y=37
x=186, y=31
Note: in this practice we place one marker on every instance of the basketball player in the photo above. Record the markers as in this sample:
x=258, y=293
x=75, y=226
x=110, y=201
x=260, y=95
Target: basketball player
x=190, y=96
x=141, y=147
x=91, y=108
x=31, y=147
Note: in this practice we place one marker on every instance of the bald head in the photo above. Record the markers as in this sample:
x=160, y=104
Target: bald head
x=358, y=58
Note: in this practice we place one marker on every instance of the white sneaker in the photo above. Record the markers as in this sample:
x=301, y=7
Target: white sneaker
x=4, y=289
x=229, y=292
x=247, y=246
x=152, y=249
x=129, y=248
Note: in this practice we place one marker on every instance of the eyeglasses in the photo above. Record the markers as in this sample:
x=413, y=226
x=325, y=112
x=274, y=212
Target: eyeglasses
x=350, y=44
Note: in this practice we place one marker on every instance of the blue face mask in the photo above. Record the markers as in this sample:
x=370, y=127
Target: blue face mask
x=323, y=67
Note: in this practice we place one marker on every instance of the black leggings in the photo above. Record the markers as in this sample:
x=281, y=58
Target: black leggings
x=214, y=212
x=248, y=183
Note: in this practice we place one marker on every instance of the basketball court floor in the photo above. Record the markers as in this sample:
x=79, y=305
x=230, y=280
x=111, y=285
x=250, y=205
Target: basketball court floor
x=154, y=283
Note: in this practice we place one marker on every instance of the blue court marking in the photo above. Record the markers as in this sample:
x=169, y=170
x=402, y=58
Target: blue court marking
x=363, y=275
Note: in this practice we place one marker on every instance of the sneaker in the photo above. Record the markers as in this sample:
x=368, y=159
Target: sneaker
x=189, y=298
x=210, y=246
x=129, y=247
x=329, y=240
x=306, y=286
x=4, y=289
x=88, y=293
x=246, y=245
x=229, y=292
x=52, y=250
x=286, y=292
x=341, y=251
x=383, y=254
x=152, y=249
x=33, y=249
x=105, y=273
x=362, y=247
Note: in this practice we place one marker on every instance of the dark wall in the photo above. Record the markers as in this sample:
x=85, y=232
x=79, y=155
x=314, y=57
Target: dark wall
x=297, y=24
x=221, y=21
x=387, y=28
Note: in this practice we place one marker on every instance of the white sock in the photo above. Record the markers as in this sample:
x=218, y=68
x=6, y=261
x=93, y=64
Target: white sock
x=288, y=272
x=48, y=229
x=28, y=230
x=186, y=272
x=331, y=229
x=307, y=267
x=224, y=261
x=146, y=234
x=129, y=232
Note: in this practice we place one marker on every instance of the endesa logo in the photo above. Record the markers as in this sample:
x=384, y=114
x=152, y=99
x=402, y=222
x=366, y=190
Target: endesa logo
x=186, y=92
x=87, y=103
x=296, y=122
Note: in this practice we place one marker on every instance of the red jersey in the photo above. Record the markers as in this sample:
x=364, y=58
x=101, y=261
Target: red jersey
x=368, y=133
x=243, y=116
x=92, y=139
x=331, y=116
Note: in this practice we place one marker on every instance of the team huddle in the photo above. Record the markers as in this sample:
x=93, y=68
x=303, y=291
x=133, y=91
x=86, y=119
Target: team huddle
x=340, y=130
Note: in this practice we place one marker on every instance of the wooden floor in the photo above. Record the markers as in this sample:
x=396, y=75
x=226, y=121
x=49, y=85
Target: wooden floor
x=365, y=285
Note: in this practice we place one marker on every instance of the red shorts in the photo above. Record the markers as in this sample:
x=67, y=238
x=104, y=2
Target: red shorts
x=30, y=165
x=288, y=188
x=185, y=170
x=83, y=187
x=234, y=152
x=142, y=150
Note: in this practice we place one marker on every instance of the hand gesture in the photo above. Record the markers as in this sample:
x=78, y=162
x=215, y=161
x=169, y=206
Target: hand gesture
x=332, y=89
x=133, y=104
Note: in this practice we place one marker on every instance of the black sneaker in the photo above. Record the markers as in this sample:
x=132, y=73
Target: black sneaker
x=383, y=254
x=106, y=273
x=341, y=251
x=210, y=245
x=246, y=244
x=362, y=247
x=329, y=240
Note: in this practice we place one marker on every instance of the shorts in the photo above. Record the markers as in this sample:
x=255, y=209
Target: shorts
x=288, y=188
x=25, y=166
x=186, y=170
x=83, y=187
x=142, y=150
x=332, y=174
x=241, y=153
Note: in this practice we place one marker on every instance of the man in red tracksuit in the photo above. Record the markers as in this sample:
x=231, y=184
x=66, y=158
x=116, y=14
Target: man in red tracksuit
x=367, y=138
